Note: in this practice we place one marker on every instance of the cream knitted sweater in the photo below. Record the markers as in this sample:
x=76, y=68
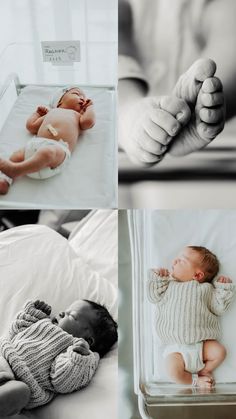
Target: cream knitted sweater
x=187, y=312
x=41, y=354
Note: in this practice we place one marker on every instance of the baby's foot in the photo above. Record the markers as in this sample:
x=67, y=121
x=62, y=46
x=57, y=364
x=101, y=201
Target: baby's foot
x=150, y=126
x=8, y=168
x=4, y=187
x=205, y=381
x=190, y=83
x=204, y=94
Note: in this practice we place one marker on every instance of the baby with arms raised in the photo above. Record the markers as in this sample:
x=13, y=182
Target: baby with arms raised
x=56, y=132
x=50, y=356
x=188, y=307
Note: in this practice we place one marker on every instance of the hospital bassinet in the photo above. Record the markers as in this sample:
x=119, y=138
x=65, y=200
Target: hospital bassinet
x=155, y=237
x=27, y=81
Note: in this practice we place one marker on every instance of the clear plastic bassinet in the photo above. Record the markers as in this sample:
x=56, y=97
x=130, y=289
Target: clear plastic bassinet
x=154, y=237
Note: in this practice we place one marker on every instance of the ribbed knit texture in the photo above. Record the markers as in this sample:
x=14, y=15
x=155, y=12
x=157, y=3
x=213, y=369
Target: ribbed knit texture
x=187, y=312
x=41, y=355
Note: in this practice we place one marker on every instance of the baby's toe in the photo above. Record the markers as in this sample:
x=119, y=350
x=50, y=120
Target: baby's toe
x=146, y=158
x=209, y=132
x=212, y=115
x=177, y=107
x=211, y=85
x=152, y=146
x=212, y=99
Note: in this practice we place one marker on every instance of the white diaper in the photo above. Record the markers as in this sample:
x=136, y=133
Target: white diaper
x=192, y=355
x=35, y=144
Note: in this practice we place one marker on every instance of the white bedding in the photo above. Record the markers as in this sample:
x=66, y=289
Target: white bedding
x=38, y=263
x=169, y=232
x=90, y=178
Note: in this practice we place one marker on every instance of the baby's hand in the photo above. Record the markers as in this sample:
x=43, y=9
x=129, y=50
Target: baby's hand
x=81, y=347
x=162, y=272
x=150, y=126
x=86, y=103
x=224, y=279
x=45, y=308
x=42, y=110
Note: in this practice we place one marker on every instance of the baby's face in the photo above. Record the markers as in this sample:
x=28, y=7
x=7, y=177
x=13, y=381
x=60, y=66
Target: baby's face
x=73, y=99
x=78, y=320
x=186, y=266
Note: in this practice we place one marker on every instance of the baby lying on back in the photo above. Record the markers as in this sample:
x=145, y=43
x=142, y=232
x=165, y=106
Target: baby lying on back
x=189, y=302
x=56, y=132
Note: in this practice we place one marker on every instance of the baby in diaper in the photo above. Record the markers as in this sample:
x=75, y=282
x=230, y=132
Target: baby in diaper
x=56, y=131
x=188, y=303
x=44, y=356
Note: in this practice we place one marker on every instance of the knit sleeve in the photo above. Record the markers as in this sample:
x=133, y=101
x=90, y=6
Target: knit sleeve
x=26, y=318
x=156, y=286
x=71, y=371
x=221, y=297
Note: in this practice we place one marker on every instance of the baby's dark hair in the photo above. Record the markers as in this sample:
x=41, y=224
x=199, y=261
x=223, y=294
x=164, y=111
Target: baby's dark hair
x=209, y=262
x=105, y=330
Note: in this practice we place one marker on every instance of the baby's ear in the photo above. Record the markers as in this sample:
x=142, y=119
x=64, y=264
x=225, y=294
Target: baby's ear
x=90, y=341
x=199, y=276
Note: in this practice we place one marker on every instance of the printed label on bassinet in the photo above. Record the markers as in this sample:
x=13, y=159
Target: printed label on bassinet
x=61, y=52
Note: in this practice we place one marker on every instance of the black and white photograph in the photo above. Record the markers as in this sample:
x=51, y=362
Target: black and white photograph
x=58, y=344
x=177, y=85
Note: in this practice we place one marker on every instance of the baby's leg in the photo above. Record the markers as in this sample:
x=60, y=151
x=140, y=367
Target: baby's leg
x=176, y=371
x=48, y=156
x=213, y=355
x=204, y=94
x=17, y=156
x=14, y=396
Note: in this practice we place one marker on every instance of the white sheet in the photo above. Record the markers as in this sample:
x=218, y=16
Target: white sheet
x=38, y=263
x=102, y=225
x=89, y=180
x=169, y=232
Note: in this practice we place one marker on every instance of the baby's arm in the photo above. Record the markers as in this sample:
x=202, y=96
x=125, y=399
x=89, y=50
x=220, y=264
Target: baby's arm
x=32, y=312
x=35, y=120
x=222, y=295
x=72, y=370
x=158, y=283
x=87, y=118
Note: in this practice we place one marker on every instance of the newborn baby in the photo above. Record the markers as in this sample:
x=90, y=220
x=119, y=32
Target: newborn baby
x=56, y=132
x=188, y=305
x=52, y=356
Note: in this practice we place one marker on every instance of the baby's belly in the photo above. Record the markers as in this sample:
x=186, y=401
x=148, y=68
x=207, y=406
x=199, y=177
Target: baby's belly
x=59, y=131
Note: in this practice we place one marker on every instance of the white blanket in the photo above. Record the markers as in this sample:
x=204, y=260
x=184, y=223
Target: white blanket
x=90, y=178
x=38, y=263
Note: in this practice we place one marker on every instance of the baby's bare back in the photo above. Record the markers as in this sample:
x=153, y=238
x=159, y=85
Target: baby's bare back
x=61, y=124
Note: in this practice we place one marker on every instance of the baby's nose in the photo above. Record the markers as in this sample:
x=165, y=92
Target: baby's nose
x=62, y=314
